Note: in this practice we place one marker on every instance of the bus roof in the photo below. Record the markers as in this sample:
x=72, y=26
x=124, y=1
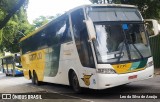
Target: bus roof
x=74, y=9
x=114, y=5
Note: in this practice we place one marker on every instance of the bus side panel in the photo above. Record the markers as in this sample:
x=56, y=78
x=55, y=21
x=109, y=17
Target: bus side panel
x=25, y=64
x=10, y=68
x=18, y=71
x=34, y=61
x=69, y=59
x=52, y=61
x=65, y=58
x=53, y=69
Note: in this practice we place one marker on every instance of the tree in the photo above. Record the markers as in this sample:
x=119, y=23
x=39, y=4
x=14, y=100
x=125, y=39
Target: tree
x=42, y=20
x=16, y=27
x=10, y=12
x=148, y=8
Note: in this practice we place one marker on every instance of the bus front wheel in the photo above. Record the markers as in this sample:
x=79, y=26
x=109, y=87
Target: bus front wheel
x=75, y=83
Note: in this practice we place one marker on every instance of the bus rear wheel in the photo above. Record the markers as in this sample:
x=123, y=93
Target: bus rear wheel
x=7, y=74
x=35, y=79
x=75, y=83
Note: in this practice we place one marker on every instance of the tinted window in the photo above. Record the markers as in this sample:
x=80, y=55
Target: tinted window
x=81, y=39
x=35, y=42
x=59, y=32
x=56, y=33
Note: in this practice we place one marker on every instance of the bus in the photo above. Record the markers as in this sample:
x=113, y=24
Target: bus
x=11, y=65
x=95, y=46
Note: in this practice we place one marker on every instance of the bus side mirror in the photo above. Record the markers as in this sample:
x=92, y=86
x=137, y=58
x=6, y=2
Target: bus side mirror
x=91, y=29
x=154, y=25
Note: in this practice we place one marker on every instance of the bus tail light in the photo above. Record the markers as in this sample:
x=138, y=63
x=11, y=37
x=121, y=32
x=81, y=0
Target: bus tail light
x=106, y=71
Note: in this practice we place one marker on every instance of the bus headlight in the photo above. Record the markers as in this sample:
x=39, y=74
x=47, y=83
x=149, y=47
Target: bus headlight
x=106, y=71
x=149, y=64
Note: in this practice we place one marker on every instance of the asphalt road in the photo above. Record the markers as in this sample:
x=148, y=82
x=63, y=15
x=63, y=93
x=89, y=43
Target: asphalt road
x=141, y=91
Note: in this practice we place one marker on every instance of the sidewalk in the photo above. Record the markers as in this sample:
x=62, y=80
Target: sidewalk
x=157, y=71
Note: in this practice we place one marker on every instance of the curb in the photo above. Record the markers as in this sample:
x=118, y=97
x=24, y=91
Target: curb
x=158, y=73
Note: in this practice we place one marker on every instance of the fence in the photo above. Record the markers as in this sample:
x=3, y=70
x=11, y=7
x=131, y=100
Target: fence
x=155, y=48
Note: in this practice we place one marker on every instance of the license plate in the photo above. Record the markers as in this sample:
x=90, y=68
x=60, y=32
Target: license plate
x=132, y=77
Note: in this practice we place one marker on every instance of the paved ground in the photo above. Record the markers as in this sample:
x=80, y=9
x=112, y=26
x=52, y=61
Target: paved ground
x=157, y=71
x=61, y=93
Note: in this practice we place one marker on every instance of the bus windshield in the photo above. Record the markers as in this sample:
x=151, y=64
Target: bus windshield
x=114, y=44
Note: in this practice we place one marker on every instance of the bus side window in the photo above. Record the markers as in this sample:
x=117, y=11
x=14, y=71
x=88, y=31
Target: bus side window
x=54, y=33
x=59, y=32
x=42, y=42
x=63, y=31
x=66, y=36
x=51, y=33
x=24, y=46
x=33, y=41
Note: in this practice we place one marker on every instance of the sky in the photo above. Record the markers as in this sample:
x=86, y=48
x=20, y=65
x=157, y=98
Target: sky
x=38, y=8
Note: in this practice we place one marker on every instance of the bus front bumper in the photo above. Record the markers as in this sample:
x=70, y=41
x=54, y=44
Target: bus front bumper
x=112, y=80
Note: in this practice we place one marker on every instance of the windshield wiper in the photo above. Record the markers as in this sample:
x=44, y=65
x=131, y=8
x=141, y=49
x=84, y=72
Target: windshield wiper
x=137, y=51
x=121, y=51
x=125, y=42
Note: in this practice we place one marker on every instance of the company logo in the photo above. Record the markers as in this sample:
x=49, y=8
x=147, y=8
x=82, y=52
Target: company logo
x=35, y=56
x=21, y=96
x=6, y=96
x=86, y=79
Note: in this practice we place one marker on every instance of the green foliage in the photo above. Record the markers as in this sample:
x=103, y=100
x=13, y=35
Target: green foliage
x=15, y=28
x=38, y=22
x=18, y=25
x=148, y=8
x=42, y=20
x=7, y=5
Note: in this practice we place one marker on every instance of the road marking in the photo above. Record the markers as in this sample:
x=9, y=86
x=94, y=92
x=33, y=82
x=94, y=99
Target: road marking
x=60, y=93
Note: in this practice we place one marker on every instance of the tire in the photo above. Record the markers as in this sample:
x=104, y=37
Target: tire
x=75, y=83
x=13, y=73
x=7, y=74
x=35, y=79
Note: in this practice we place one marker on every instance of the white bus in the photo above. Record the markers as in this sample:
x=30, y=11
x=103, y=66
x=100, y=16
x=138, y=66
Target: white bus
x=91, y=46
